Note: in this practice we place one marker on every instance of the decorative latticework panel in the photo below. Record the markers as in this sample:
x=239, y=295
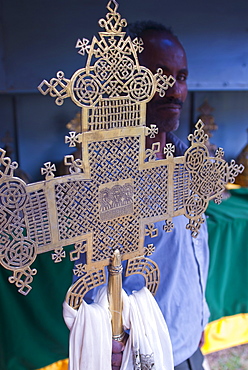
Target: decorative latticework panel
x=115, y=159
x=152, y=192
x=109, y=114
x=76, y=212
x=117, y=190
x=181, y=186
x=37, y=218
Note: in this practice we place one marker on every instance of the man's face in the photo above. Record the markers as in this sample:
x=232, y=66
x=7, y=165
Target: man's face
x=162, y=50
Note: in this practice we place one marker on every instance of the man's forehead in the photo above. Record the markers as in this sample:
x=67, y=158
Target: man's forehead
x=159, y=36
x=160, y=45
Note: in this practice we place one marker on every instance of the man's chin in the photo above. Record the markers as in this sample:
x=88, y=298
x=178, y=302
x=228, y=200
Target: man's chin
x=167, y=125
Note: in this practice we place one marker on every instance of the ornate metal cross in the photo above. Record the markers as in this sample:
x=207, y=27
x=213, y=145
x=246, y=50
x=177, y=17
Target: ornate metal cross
x=117, y=190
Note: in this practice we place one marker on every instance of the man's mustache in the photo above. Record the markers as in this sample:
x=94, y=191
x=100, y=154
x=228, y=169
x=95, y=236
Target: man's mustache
x=169, y=100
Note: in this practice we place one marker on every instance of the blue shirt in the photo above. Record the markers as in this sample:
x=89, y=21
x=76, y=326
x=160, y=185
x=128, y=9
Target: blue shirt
x=183, y=264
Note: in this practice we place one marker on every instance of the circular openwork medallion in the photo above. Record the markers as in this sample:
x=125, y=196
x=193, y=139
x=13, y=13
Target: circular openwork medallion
x=195, y=205
x=19, y=254
x=141, y=86
x=195, y=156
x=85, y=89
x=13, y=194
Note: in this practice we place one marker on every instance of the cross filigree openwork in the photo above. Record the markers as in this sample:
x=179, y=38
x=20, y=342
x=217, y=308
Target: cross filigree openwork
x=117, y=190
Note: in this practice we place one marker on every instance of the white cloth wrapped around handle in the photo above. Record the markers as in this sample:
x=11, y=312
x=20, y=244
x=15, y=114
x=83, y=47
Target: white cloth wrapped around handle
x=148, y=345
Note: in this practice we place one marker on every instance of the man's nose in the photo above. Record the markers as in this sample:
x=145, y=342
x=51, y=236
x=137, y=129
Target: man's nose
x=175, y=91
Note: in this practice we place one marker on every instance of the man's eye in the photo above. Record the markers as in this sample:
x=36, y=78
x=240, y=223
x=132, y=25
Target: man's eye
x=182, y=78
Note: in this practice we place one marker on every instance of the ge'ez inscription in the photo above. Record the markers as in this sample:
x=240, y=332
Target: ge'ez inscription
x=116, y=200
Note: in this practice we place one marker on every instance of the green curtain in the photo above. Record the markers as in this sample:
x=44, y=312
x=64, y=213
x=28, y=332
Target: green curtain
x=32, y=330
x=227, y=292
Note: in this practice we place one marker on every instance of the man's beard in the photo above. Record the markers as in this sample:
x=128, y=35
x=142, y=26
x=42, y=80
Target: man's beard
x=171, y=124
x=165, y=120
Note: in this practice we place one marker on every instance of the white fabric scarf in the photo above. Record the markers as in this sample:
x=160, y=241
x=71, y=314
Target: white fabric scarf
x=148, y=346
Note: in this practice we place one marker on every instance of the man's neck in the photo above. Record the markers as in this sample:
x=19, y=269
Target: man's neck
x=160, y=137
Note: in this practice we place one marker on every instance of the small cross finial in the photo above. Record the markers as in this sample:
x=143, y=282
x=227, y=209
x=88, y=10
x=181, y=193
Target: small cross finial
x=48, y=170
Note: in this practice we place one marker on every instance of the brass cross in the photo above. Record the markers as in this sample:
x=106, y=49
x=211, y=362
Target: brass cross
x=117, y=190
